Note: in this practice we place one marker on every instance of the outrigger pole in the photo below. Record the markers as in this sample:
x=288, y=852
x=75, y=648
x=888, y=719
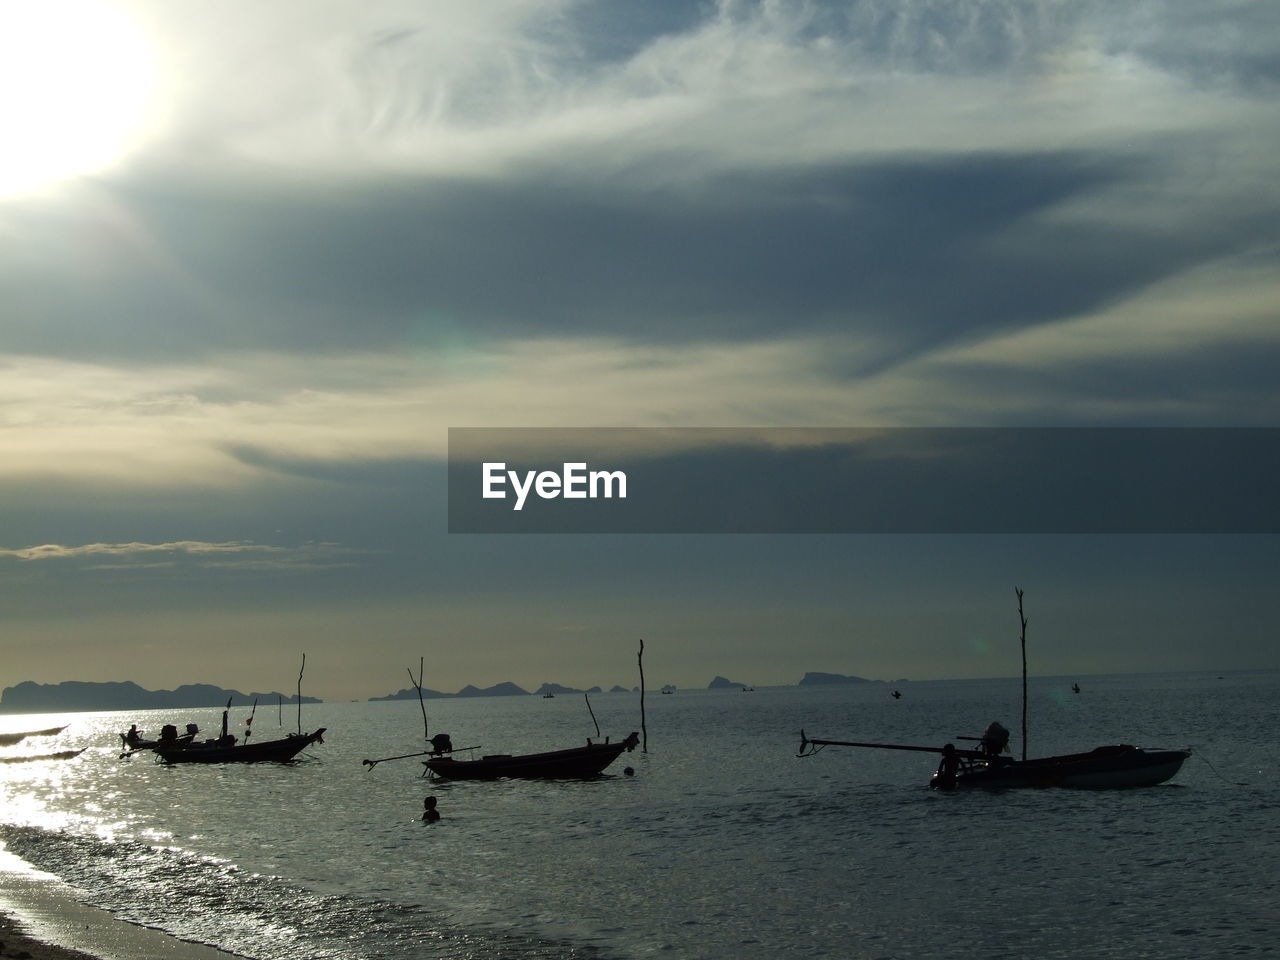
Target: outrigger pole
x=405, y=756
x=806, y=743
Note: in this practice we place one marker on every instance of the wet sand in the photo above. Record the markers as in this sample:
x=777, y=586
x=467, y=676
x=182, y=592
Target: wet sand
x=15, y=944
x=40, y=919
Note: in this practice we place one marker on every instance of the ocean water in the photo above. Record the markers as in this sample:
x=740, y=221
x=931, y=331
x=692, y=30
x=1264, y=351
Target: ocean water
x=723, y=844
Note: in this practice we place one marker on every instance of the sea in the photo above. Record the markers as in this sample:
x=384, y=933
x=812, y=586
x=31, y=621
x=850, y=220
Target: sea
x=714, y=841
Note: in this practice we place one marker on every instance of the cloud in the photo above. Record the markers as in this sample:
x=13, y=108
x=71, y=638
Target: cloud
x=462, y=87
x=241, y=554
x=1179, y=351
x=877, y=187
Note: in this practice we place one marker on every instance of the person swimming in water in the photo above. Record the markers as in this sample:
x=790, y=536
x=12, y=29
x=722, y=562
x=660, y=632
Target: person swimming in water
x=429, y=812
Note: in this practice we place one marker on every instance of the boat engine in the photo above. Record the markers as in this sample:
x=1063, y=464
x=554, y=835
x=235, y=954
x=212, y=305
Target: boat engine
x=995, y=739
x=441, y=743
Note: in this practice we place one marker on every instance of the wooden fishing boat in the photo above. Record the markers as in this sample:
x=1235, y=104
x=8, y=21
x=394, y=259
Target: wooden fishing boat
x=227, y=750
x=31, y=758
x=9, y=739
x=575, y=763
x=1116, y=767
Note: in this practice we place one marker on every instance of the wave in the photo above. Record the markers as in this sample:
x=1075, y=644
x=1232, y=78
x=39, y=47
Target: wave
x=210, y=901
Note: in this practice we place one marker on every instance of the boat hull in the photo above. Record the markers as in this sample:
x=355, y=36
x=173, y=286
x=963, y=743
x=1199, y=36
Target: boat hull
x=9, y=739
x=1119, y=767
x=60, y=755
x=574, y=763
x=278, y=751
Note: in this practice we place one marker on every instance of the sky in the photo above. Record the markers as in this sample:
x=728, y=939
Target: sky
x=256, y=260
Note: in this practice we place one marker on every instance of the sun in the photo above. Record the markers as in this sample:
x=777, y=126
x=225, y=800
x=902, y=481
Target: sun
x=75, y=87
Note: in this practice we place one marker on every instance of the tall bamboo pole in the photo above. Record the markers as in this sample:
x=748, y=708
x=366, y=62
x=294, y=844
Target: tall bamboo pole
x=422, y=661
x=1023, y=637
x=300, y=672
x=644, y=732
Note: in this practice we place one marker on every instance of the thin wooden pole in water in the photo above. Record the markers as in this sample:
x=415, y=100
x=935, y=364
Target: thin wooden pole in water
x=304, y=667
x=644, y=732
x=587, y=697
x=1023, y=637
x=418, y=685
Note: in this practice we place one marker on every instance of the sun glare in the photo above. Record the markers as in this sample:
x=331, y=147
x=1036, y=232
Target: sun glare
x=75, y=81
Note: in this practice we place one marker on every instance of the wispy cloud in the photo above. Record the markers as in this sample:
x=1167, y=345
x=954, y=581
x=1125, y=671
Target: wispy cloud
x=237, y=553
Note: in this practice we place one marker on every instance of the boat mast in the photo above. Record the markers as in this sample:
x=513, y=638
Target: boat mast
x=1023, y=636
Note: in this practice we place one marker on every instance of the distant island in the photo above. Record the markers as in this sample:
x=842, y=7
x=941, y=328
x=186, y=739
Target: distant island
x=78, y=695
x=721, y=683
x=828, y=679
x=507, y=689
x=497, y=690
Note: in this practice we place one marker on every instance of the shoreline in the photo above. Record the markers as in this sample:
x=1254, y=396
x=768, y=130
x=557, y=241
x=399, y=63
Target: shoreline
x=41, y=919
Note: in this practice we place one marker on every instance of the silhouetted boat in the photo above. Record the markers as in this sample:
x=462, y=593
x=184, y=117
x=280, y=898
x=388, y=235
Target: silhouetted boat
x=227, y=750
x=574, y=763
x=1117, y=767
x=60, y=755
x=9, y=739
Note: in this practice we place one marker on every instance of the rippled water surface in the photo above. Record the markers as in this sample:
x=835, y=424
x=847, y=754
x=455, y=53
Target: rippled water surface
x=722, y=845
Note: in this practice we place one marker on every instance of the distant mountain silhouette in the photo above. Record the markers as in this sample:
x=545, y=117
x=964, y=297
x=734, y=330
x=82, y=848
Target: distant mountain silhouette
x=77, y=695
x=507, y=689
x=497, y=690
x=826, y=679
x=720, y=683
x=412, y=694
x=554, y=688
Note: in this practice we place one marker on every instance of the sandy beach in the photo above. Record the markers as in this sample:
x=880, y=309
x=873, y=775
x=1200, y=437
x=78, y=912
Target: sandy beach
x=41, y=919
x=15, y=943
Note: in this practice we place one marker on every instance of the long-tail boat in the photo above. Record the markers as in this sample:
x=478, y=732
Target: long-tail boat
x=1114, y=767
x=582, y=762
x=9, y=739
x=31, y=758
x=228, y=750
